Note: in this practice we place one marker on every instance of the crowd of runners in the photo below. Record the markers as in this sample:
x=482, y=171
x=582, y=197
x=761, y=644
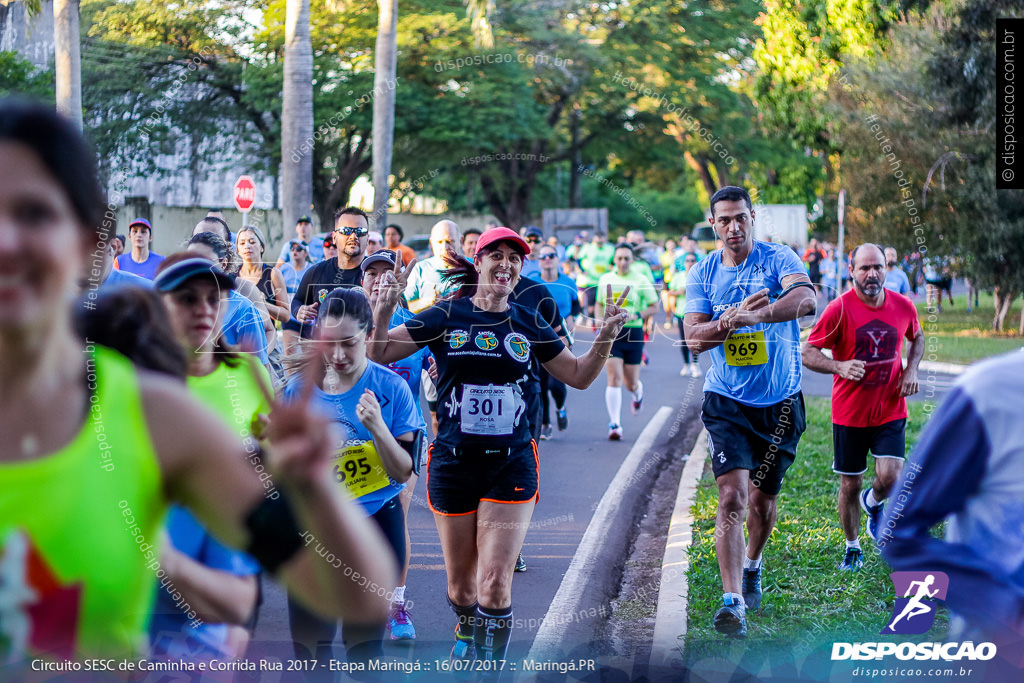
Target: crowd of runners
x=237, y=416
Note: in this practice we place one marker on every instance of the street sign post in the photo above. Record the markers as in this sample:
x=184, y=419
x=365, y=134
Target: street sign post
x=245, y=196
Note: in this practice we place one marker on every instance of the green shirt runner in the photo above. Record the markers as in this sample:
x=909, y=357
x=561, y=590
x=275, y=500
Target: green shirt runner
x=641, y=294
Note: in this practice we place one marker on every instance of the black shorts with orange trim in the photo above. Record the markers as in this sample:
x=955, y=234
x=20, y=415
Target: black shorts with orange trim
x=458, y=479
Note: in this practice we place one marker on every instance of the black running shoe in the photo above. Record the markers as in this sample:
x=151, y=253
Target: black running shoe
x=731, y=619
x=752, y=587
x=563, y=420
x=853, y=560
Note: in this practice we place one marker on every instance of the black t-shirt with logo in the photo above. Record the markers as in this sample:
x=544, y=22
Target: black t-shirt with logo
x=536, y=298
x=483, y=365
x=317, y=283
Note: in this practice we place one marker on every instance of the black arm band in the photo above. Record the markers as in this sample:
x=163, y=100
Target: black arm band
x=274, y=535
x=793, y=286
x=415, y=449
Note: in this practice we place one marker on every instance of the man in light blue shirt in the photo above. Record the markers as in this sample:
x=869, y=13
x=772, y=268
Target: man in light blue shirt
x=424, y=287
x=304, y=234
x=895, y=279
x=742, y=305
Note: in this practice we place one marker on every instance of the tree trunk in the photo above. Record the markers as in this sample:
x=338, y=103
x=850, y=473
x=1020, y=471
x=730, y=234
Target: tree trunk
x=575, y=193
x=701, y=167
x=385, y=62
x=297, y=116
x=68, y=60
x=1004, y=298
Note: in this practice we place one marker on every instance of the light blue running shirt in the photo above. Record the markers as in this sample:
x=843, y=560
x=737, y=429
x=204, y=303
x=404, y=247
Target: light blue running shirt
x=712, y=288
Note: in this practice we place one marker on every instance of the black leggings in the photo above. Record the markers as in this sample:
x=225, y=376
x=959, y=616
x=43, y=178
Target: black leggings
x=557, y=390
x=687, y=356
x=312, y=636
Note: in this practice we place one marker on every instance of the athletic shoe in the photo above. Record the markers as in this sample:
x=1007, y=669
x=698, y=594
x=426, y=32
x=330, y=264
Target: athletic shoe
x=685, y=372
x=614, y=432
x=873, y=518
x=462, y=653
x=695, y=370
x=520, y=564
x=853, y=560
x=400, y=624
x=563, y=420
x=731, y=619
x=545, y=432
x=646, y=360
x=638, y=403
x=752, y=588
x=668, y=325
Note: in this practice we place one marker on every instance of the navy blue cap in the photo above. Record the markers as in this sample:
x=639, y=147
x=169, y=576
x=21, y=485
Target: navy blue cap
x=175, y=276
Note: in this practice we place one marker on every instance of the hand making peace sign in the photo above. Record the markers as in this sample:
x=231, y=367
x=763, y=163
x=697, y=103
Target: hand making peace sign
x=614, y=315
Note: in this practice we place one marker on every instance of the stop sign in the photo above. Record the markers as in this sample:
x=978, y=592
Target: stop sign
x=245, y=193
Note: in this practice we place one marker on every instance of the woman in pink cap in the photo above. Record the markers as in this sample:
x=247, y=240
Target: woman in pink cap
x=482, y=469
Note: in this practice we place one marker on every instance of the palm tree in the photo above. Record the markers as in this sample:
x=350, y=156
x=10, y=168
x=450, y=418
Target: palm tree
x=297, y=115
x=385, y=61
x=67, y=55
x=68, y=59
x=384, y=84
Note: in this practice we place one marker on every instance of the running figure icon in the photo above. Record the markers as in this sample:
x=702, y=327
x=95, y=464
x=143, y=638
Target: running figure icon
x=915, y=606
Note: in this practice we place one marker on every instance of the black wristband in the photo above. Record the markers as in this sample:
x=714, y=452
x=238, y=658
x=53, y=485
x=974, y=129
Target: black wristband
x=415, y=449
x=274, y=535
x=793, y=286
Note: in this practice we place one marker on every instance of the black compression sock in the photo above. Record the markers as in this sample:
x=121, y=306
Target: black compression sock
x=467, y=617
x=493, y=631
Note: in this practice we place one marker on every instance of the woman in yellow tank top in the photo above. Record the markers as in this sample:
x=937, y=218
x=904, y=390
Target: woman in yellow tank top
x=91, y=450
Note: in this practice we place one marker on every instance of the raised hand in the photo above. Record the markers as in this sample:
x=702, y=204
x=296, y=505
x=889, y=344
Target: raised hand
x=614, y=315
x=300, y=444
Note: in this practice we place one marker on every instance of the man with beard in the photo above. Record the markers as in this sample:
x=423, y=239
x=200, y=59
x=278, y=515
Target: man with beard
x=865, y=329
x=351, y=230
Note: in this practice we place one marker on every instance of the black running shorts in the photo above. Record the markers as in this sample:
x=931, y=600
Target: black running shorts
x=760, y=440
x=629, y=346
x=459, y=479
x=852, y=444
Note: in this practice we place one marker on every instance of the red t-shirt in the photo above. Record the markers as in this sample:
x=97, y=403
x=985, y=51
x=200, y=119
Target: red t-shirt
x=854, y=330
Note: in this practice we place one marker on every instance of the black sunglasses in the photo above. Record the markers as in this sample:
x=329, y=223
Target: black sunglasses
x=353, y=231
x=548, y=256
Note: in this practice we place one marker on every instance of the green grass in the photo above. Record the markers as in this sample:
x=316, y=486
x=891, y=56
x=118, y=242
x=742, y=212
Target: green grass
x=807, y=603
x=957, y=336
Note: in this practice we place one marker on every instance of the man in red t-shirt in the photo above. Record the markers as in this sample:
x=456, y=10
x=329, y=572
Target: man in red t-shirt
x=865, y=329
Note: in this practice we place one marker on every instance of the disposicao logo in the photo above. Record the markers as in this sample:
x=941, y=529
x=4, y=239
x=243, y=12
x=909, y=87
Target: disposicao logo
x=914, y=614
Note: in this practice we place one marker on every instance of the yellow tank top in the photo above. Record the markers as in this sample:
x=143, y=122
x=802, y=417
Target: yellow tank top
x=80, y=531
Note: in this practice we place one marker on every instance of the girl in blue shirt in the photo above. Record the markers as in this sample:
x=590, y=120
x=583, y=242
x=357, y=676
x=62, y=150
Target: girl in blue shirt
x=375, y=422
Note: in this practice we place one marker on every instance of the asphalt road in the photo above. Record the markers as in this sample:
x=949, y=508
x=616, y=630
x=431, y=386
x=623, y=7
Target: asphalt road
x=577, y=467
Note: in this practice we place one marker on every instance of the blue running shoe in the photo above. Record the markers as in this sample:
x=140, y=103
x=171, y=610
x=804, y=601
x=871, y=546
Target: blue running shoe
x=853, y=560
x=731, y=619
x=400, y=624
x=874, y=515
x=752, y=587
